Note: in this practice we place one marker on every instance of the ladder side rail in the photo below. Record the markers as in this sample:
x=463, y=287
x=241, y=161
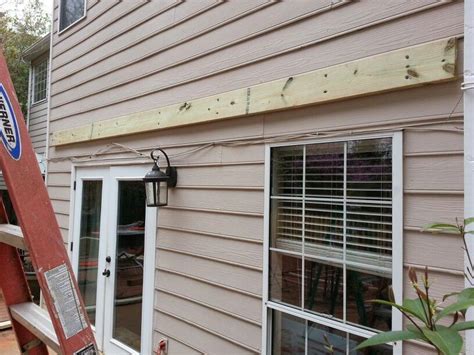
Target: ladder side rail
x=40, y=228
x=16, y=290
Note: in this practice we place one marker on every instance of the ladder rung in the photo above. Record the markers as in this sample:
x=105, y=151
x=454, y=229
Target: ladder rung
x=37, y=321
x=5, y=325
x=12, y=235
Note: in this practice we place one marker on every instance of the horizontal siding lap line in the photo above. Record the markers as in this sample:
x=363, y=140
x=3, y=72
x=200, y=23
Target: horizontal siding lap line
x=394, y=124
x=421, y=230
x=33, y=133
x=38, y=107
x=207, y=305
x=175, y=162
x=210, y=331
x=59, y=171
x=436, y=154
x=184, y=342
x=140, y=40
x=154, y=34
x=38, y=136
x=123, y=14
x=435, y=269
x=38, y=115
x=205, y=257
x=209, y=282
x=233, y=67
x=217, y=187
x=209, y=210
x=230, y=163
x=433, y=192
x=61, y=213
x=209, y=234
x=59, y=199
x=86, y=22
x=41, y=122
x=59, y=185
x=194, y=57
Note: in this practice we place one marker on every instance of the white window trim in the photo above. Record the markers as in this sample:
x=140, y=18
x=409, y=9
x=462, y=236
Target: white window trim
x=397, y=245
x=33, y=82
x=61, y=31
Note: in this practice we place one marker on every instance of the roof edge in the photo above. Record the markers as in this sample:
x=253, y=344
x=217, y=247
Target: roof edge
x=41, y=46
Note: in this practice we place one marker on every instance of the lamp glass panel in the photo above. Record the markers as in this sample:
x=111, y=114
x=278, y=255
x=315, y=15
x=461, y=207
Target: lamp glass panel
x=150, y=188
x=162, y=192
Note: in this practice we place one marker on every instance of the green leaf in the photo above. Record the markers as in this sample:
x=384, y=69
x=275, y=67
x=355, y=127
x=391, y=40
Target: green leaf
x=442, y=227
x=463, y=326
x=447, y=340
x=416, y=331
x=387, y=337
x=464, y=301
x=468, y=221
x=413, y=307
x=466, y=294
x=455, y=307
x=416, y=308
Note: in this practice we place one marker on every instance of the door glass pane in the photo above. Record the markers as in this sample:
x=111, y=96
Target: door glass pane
x=89, y=244
x=129, y=263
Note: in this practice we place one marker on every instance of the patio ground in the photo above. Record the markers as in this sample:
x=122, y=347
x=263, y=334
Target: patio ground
x=8, y=343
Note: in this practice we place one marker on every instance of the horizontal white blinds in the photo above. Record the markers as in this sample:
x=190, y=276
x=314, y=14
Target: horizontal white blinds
x=337, y=199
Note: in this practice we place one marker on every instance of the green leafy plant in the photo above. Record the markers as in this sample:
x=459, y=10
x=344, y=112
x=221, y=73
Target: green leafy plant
x=432, y=321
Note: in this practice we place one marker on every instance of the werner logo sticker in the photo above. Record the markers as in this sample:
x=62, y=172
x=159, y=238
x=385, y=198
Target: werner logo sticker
x=9, y=132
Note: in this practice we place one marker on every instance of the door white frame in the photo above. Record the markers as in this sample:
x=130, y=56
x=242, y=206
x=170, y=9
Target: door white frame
x=80, y=176
x=110, y=177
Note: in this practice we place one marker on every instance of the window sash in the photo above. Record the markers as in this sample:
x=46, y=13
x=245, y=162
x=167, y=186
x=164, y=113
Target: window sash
x=67, y=20
x=40, y=81
x=397, y=228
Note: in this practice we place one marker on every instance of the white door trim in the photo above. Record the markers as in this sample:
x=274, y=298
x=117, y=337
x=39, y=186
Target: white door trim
x=110, y=177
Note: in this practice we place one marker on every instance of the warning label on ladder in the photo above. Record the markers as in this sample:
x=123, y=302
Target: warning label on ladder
x=66, y=301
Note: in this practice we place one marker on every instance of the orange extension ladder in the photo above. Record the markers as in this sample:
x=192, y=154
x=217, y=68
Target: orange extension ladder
x=66, y=329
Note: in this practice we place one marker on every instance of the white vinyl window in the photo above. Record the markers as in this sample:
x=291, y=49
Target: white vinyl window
x=333, y=243
x=40, y=81
x=70, y=11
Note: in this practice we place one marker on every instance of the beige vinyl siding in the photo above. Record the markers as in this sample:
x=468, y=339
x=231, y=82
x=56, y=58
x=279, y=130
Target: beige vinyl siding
x=37, y=126
x=209, y=239
x=132, y=56
x=189, y=69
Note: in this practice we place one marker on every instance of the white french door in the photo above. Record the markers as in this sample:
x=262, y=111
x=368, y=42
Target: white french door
x=113, y=256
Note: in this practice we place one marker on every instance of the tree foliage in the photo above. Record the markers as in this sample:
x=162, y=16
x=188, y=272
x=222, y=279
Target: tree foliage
x=18, y=31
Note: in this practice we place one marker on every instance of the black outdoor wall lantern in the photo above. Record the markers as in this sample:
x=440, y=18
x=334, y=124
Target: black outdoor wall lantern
x=157, y=182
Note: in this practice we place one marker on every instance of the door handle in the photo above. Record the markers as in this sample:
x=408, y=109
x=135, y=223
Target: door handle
x=106, y=271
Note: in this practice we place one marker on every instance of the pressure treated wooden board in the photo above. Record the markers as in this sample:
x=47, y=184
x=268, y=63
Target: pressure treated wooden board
x=404, y=68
